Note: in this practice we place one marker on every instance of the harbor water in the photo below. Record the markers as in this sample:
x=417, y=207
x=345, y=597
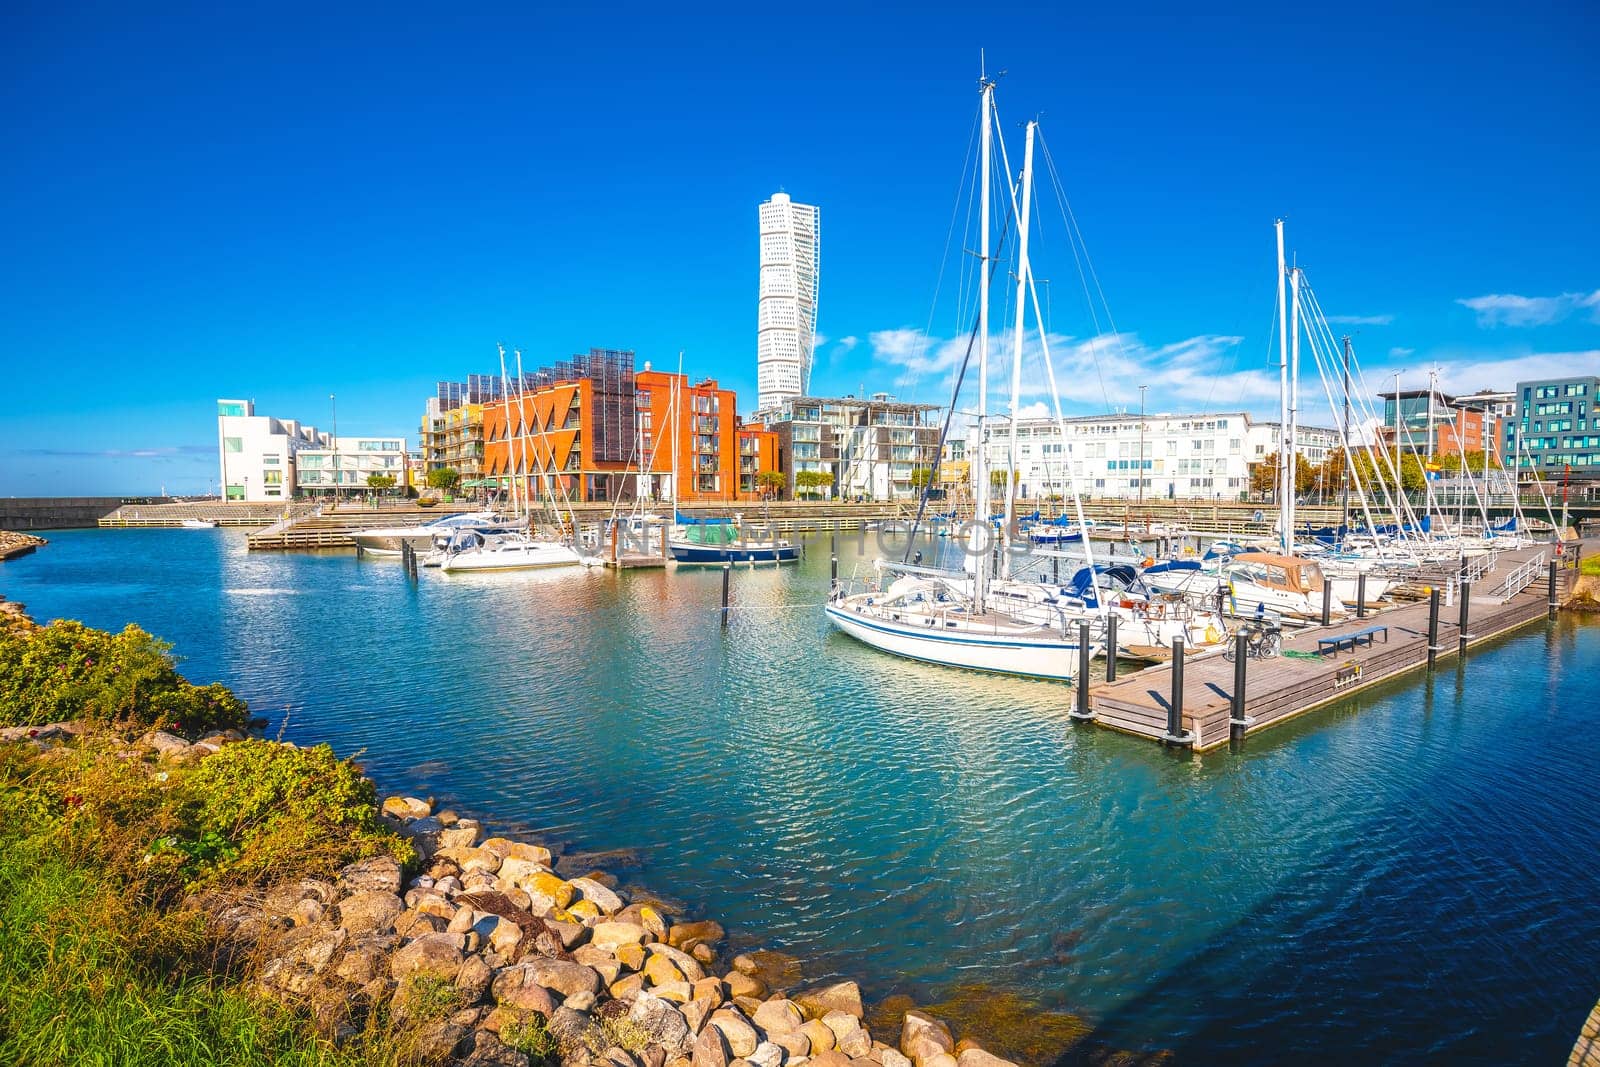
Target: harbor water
x=1412, y=876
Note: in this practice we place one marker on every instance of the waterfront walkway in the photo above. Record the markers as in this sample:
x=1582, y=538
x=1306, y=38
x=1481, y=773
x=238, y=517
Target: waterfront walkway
x=1586, y=1051
x=1282, y=687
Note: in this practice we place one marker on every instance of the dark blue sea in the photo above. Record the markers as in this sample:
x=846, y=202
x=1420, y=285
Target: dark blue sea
x=1412, y=877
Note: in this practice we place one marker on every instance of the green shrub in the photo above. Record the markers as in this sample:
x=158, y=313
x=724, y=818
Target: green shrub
x=68, y=671
x=533, y=1038
x=269, y=808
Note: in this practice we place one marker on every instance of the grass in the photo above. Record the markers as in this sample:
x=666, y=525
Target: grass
x=101, y=960
x=1589, y=566
x=83, y=980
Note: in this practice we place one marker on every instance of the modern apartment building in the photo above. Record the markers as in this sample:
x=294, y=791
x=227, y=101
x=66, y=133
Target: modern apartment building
x=786, y=310
x=1457, y=424
x=341, y=466
x=869, y=447
x=453, y=438
x=1555, y=432
x=1174, y=456
x=258, y=454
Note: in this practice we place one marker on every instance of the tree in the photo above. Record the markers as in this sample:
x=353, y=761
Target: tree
x=770, y=483
x=380, y=482
x=812, y=481
x=446, y=478
x=921, y=477
x=997, y=478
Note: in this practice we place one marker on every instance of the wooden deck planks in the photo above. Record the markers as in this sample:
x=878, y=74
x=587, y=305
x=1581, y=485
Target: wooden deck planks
x=1281, y=688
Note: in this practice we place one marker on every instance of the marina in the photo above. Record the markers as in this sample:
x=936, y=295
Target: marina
x=881, y=818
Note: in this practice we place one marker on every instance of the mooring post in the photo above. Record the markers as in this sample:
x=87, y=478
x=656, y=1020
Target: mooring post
x=1175, y=734
x=727, y=576
x=1553, y=589
x=1361, y=594
x=1327, y=602
x=1082, y=711
x=1238, y=722
x=1433, y=625
x=1461, y=623
x=1111, y=646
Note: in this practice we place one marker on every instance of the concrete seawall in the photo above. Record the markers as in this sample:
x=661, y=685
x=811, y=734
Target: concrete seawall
x=62, y=512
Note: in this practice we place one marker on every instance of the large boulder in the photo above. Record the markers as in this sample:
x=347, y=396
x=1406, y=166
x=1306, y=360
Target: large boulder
x=972, y=1056
x=839, y=996
x=601, y=896
x=429, y=956
x=611, y=935
x=407, y=808
x=742, y=1037
x=379, y=874
x=923, y=1037
x=664, y=1022
x=711, y=1049
x=777, y=1016
x=518, y=987
x=509, y=849
x=370, y=911
x=562, y=976
x=692, y=971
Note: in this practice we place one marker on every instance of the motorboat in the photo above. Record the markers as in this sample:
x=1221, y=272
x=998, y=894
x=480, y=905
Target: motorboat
x=423, y=537
x=198, y=524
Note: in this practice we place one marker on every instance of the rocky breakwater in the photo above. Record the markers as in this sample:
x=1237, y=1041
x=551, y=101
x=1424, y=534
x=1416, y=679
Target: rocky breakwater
x=18, y=544
x=508, y=963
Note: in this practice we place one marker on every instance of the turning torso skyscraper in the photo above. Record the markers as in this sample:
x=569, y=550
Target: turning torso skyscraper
x=786, y=318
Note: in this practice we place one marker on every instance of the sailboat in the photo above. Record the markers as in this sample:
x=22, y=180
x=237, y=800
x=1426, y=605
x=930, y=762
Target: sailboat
x=472, y=551
x=956, y=618
x=718, y=540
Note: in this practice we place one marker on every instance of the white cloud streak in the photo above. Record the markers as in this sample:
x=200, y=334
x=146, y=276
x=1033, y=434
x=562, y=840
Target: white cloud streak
x=1361, y=320
x=1509, y=309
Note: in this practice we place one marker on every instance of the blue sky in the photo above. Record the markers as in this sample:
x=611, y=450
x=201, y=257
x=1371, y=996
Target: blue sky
x=286, y=203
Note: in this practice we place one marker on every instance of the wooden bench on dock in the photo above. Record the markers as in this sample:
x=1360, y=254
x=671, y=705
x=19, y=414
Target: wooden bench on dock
x=1353, y=639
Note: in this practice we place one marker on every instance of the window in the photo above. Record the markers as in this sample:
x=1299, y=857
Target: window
x=270, y=461
x=272, y=477
x=229, y=407
x=233, y=444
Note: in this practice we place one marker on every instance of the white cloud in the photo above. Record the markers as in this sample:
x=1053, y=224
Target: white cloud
x=1401, y=353
x=1471, y=375
x=1361, y=320
x=1509, y=309
x=847, y=344
x=1094, y=375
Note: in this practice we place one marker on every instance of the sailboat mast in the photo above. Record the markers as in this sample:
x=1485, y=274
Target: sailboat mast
x=1016, y=337
x=522, y=431
x=1283, y=389
x=505, y=396
x=1292, y=433
x=1349, y=461
x=980, y=543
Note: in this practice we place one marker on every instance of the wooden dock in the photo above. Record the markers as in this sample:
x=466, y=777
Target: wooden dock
x=1282, y=687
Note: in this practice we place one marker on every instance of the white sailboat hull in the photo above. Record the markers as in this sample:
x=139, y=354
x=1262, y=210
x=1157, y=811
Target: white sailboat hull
x=516, y=557
x=1037, y=656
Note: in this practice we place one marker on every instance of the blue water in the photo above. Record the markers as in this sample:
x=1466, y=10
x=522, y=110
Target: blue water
x=1411, y=877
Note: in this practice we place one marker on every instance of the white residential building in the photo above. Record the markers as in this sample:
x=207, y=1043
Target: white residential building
x=1176, y=456
x=786, y=312
x=258, y=453
x=343, y=465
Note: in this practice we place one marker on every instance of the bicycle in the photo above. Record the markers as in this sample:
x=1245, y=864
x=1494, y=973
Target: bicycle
x=1261, y=641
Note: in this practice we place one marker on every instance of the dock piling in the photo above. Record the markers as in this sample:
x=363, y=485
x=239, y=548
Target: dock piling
x=1552, y=589
x=1433, y=626
x=1461, y=623
x=1175, y=734
x=1111, y=646
x=1238, y=722
x=1082, y=711
x=1327, y=602
x=727, y=576
x=1361, y=594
